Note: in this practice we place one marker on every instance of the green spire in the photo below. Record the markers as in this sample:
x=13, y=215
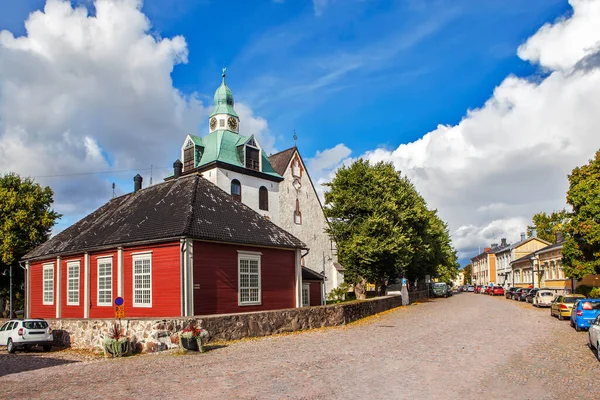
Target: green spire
x=223, y=99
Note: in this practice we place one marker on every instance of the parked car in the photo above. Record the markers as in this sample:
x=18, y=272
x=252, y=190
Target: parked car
x=478, y=289
x=470, y=288
x=530, y=295
x=584, y=313
x=440, y=289
x=26, y=333
x=594, y=336
x=523, y=294
x=517, y=294
x=543, y=298
x=563, y=305
x=509, y=292
x=497, y=291
x=487, y=289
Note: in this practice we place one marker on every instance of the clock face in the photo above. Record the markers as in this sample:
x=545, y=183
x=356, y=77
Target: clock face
x=232, y=122
x=213, y=123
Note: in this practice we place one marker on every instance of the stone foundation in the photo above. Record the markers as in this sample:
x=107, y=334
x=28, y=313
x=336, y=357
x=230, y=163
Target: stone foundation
x=150, y=335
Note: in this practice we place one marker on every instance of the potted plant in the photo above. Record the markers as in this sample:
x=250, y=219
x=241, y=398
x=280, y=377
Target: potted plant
x=116, y=343
x=191, y=338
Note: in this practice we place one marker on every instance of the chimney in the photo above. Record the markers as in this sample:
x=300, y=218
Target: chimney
x=177, y=168
x=522, y=236
x=485, y=249
x=559, y=237
x=503, y=242
x=494, y=245
x=533, y=232
x=137, y=183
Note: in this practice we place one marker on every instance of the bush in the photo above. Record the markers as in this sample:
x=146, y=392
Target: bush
x=584, y=290
x=339, y=293
x=594, y=293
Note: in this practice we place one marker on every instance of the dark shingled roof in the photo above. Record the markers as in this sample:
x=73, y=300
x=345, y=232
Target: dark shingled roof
x=189, y=206
x=310, y=275
x=281, y=160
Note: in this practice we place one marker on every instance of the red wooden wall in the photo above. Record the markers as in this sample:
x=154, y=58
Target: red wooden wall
x=315, y=293
x=71, y=311
x=37, y=308
x=166, y=283
x=98, y=311
x=216, y=271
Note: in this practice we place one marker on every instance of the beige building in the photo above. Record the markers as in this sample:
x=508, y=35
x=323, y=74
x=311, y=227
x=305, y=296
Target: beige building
x=509, y=253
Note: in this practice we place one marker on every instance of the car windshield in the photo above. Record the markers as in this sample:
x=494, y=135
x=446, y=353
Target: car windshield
x=35, y=324
x=570, y=299
x=545, y=294
x=439, y=285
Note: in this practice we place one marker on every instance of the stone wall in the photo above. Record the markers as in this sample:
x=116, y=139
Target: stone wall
x=151, y=335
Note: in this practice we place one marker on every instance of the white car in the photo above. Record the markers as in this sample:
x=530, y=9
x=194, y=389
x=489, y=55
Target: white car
x=26, y=333
x=543, y=298
x=594, y=336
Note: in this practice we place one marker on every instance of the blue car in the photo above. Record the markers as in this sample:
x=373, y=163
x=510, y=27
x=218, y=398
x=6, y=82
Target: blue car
x=584, y=313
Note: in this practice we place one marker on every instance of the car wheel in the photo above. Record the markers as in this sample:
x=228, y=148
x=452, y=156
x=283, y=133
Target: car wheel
x=598, y=352
x=560, y=317
x=10, y=347
x=47, y=348
x=577, y=329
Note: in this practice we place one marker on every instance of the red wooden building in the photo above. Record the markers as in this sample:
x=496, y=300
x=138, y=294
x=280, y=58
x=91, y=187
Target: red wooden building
x=179, y=248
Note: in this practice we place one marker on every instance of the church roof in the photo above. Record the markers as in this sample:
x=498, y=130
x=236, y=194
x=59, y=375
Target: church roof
x=224, y=146
x=223, y=100
x=281, y=160
x=189, y=206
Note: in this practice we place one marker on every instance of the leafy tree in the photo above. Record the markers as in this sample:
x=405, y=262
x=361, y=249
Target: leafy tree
x=581, y=250
x=26, y=219
x=548, y=225
x=467, y=274
x=383, y=228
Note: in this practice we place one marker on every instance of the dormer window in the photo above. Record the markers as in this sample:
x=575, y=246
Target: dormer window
x=252, y=158
x=188, y=158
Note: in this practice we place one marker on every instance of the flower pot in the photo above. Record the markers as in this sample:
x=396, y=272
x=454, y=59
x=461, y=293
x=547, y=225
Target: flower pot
x=191, y=344
x=116, y=348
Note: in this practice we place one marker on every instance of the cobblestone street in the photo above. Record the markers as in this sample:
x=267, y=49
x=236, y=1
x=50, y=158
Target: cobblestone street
x=468, y=346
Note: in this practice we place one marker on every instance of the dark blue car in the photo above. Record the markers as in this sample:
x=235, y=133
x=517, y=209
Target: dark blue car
x=584, y=313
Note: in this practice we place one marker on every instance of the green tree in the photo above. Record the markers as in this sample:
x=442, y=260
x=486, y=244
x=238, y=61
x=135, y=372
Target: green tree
x=548, y=225
x=26, y=219
x=383, y=228
x=581, y=250
x=467, y=274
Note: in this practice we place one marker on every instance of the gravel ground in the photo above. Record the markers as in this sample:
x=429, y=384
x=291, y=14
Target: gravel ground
x=468, y=346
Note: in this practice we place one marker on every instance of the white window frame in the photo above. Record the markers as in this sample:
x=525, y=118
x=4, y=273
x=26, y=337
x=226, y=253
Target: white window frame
x=306, y=286
x=47, y=267
x=250, y=256
x=104, y=261
x=76, y=280
x=141, y=257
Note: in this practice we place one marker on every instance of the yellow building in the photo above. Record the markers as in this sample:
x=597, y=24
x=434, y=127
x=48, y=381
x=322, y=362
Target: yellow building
x=523, y=255
x=484, y=267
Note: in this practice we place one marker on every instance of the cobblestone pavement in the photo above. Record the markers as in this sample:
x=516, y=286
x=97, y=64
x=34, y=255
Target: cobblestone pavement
x=468, y=346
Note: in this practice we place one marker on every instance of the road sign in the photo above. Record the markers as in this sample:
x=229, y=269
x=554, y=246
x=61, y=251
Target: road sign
x=119, y=308
x=427, y=278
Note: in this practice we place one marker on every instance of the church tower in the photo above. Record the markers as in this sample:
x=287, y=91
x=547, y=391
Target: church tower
x=223, y=116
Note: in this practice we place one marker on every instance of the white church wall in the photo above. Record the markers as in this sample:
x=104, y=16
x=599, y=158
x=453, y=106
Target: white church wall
x=312, y=230
x=250, y=188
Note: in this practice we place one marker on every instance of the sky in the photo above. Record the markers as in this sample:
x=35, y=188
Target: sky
x=485, y=106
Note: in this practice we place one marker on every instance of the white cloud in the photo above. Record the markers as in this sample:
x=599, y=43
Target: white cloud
x=82, y=93
x=323, y=164
x=510, y=158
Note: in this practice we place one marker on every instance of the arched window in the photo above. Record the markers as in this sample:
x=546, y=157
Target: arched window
x=263, y=198
x=297, y=213
x=236, y=190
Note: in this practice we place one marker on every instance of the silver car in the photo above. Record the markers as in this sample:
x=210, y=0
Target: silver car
x=26, y=333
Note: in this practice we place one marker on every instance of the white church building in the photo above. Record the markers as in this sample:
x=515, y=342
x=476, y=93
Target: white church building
x=277, y=186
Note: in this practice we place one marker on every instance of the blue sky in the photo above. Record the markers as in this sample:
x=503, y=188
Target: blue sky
x=404, y=81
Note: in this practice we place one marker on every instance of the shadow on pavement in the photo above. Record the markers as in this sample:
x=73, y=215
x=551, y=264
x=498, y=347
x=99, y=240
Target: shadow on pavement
x=23, y=361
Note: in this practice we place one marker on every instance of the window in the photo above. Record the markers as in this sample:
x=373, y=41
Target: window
x=252, y=158
x=222, y=123
x=305, y=294
x=48, y=277
x=249, y=279
x=142, y=280
x=73, y=283
x=188, y=158
x=105, y=281
x=297, y=214
x=263, y=198
x=236, y=190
